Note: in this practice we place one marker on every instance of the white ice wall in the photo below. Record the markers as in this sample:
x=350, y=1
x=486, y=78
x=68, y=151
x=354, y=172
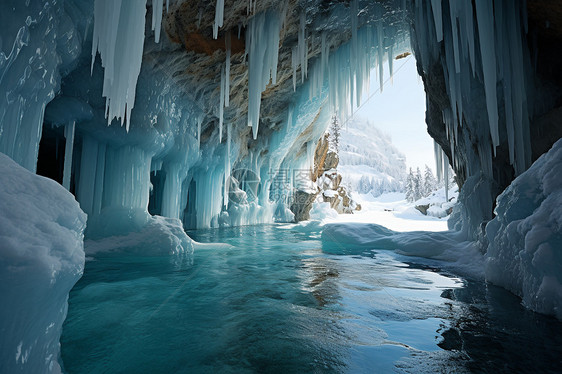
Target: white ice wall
x=41, y=258
x=524, y=254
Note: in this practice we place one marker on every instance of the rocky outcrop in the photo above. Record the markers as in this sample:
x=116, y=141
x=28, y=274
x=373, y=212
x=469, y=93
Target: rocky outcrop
x=302, y=204
x=329, y=180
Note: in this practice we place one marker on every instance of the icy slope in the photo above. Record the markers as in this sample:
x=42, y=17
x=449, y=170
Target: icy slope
x=41, y=258
x=368, y=160
x=525, y=250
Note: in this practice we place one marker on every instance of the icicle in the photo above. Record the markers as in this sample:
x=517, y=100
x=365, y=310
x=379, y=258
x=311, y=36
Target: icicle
x=294, y=63
x=390, y=64
x=380, y=47
x=302, y=45
x=262, y=48
x=227, y=64
x=290, y=116
x=455, y=34
x=227, y=165
x=437, y=18
x=199, y=121
x=485, y=18
x=219, y=18
x=119, y=38
x=68, y=149
x=98, y=185
x=354, y=48
x=446, y=175
x=157, y=9
x=221, y=102
x=325, y=50
x=438, y=153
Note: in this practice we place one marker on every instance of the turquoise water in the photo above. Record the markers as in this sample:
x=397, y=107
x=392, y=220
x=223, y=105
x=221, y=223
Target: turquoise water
x=277, y=303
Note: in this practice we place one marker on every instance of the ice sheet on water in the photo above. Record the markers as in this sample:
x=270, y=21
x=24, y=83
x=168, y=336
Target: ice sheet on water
x=449, y=247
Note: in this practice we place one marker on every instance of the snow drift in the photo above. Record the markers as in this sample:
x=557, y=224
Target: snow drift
x=459, y=255
x=41, y=258
x=525, y=238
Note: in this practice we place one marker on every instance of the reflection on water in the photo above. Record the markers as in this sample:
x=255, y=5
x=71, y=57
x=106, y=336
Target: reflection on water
x=276, y=303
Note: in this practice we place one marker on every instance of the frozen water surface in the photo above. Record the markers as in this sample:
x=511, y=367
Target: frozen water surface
x=276, y=302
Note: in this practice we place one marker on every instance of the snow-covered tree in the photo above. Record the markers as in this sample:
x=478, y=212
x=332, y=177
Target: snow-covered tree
x=365, y=185
x=410, y=187
x=418, y=185
x=429, y=182
x=335, y=134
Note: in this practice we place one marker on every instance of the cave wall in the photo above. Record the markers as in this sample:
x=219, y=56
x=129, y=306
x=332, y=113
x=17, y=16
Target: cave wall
x=180, y=136
x=525, y=36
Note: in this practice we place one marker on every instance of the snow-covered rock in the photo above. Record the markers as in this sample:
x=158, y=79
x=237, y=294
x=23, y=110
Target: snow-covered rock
x=436, y=204
x=525, y=238
x=41, y=258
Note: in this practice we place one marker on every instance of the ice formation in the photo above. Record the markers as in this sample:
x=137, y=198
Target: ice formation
x=262, y=47
x=119, y=38
x=501, y=71
x=41, y=258
x=178, y=151
x=525, y=237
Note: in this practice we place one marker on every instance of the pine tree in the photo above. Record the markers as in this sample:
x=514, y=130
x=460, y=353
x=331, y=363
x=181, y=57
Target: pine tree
x=335, y=133
x=418, y=185
x=410, y=194
x=365, y=184
x=429, y=183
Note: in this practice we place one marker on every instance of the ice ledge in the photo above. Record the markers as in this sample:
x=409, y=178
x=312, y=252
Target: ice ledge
x=41, y=258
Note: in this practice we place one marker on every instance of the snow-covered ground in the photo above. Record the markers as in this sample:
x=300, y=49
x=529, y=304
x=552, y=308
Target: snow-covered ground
x=389, y=222
x=390, y=210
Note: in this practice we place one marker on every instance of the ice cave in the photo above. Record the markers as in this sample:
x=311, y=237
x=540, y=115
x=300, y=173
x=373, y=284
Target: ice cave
x=186, y=186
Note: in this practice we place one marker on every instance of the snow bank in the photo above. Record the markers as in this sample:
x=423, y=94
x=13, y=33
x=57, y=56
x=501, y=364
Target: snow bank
x=461, y=256
x=41, y=258
x=160, y=236
x=525, y=238
x=321, y=211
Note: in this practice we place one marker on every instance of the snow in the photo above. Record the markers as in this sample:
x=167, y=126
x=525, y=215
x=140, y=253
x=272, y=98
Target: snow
x=159, y=237
x=389, y=222
x=367, y=159
x=41, y=258
x=463, y=257
x=525, y=237
x=392, y=211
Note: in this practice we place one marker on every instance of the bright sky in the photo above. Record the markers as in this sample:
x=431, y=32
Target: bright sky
x=400, y=111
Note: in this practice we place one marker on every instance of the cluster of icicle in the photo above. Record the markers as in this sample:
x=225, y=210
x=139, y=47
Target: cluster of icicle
x=119, y=38
x=347, y=69
x=498, y=58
